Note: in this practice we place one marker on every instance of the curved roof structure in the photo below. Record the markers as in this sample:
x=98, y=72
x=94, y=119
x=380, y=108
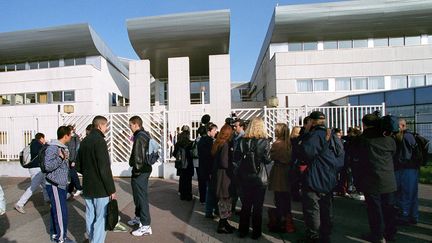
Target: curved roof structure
x=55, y=42
x=196, y=35
x=358, y=19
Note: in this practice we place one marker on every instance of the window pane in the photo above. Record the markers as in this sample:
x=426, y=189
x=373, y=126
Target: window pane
x=380, y=42
x=34, y=65
x=295, y=46
x=330, y=45
x=2, y=68
x=20, y=66
x=396, y=41
x=412, y=40
x=57, y=96
x=309, y=46
x=360, y=43
x=376, y=83
x=343, y=84
x=69, y=62
x=304, y=85
x=416, y=80
x=43, y=64
x=398, y=82
x=69, y=96
x=30, y=98
x=54, y=63
x=5, y=99
x=359, y=83
x=429, y=79
x=80, y=61
x=320, y=85
x=345, y=44
x=42, y=98
x=10, y=67
x=19, y=99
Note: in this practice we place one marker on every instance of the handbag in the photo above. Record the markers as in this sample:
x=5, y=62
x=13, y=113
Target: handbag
x=112, y=215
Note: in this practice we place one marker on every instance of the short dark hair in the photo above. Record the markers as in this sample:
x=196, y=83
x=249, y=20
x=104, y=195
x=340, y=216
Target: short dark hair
x=306, y=120
x=98, y=120
x=337, y=130
x=210, y=126
x=241, y=122
x=71, y=126
x=63, y=131
x=136, y=120
x=89, y=127
x=39, y=135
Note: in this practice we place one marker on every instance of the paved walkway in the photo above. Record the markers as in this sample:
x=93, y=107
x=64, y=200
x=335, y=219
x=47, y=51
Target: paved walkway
x=179, y=221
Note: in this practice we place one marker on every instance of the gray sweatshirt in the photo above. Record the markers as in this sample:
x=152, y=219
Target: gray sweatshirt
x=58, y=167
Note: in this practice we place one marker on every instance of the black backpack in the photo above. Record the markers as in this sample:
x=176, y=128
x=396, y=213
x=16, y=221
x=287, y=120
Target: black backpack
x=420, y=152
x=41, y=158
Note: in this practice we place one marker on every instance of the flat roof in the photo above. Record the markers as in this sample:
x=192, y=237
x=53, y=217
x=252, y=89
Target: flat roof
x=66, y=41
x=195, y=35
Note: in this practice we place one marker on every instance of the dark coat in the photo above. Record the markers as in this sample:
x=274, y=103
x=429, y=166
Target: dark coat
x=204, y=156
x=35, y=147
x=185, y=143
x=247, y=173
x=224, y=172
x=404, y=158
x=94, y=164
x=373, y=162
x=138, y=159
x=279, y=180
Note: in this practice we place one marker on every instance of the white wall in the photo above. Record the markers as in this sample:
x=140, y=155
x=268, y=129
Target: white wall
x=220, y=87
x=139, y=88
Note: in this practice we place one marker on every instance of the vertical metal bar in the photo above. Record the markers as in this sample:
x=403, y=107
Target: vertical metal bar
x=348, y=116
x=110, y=117
x=165, y=134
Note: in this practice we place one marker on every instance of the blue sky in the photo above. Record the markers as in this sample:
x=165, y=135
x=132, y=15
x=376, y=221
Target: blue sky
x=249, y=21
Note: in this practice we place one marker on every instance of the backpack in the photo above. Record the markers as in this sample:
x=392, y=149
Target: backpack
x=25, y=157
x=389, y=124
x=152, y=154
x=181, y=160
x=337, y=147
x=250, y=170
x=41, y=158
x=421, y=151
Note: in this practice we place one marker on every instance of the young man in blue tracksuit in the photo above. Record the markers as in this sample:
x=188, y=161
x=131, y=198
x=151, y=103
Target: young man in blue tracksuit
x=57, y=164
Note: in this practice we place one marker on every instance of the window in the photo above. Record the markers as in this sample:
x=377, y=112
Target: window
x=69, y=96
x=42, y=98
x=396, y=41
x=376, y=83
x=429, y=79
x=2, y=68
x=19, y=99
x=54, y=63
x=320, y=85
x=43, y=64
x=33, y=65
x=412, y=40
x=57, y=96
x=30, y=98
x=380, y=42
x=345, y=44
x=3, y=137
x=304, y=85
x=10, y=67
x=196, y=89
x=416, y=80
x=360, y=43
x=343, y=84
x=359, y=83
x=330, y=45
x=20, y=66
x=295, y=47
x=5, y=99
x=398, y=82
x=310, y=46
x=69, y=62
x=80, y=61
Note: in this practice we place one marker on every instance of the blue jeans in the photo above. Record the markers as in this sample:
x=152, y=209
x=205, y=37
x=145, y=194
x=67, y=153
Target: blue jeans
x=407, y=192
x=96, y=211
x=59, y=212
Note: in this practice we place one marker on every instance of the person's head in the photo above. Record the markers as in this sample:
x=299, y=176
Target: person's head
x=307, y=123
x=72, y=127
x=202, y=130
x=135, y=123
x=88, y=129
x=318, y=118
x=256, y=129
x=100, y=123
x=211, y=129
x=40, y=137
x=338, y=132
x=64, y=134
x=402, y=124
x=239, y=126
x=370, y=120
x=205, y=119
x=295, y=132
x=224, y=136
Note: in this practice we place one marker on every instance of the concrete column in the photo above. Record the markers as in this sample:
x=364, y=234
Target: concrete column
x=139, y=86
x=220, y=87
x=178, y=83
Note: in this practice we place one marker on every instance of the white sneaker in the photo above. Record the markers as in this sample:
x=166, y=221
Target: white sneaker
x=143, y=230
x=77, y=193
x=134, y=221
x=2, y=212
x=19, y=208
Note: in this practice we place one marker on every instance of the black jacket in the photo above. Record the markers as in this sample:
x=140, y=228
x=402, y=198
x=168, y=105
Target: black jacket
x=372, y=162
x=138, y=159
x=247, y=172
x=35, y=147
x=183, y=142
x=204, y=156
x=94, y=164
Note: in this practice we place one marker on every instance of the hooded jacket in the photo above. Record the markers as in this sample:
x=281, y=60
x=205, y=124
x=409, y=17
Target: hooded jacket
x=35, y=147
x=58, y=168
x=138, y=159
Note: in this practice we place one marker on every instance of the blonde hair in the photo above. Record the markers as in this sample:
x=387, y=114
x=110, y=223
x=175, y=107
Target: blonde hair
x=295, y=132
x=256, y=129
x=282, y=133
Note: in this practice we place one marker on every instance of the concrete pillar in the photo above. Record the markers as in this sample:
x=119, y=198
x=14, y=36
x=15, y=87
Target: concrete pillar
x=220, y=88
x=178, y=92
x=139, y=86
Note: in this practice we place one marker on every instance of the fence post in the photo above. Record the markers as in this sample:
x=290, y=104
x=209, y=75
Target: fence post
x=165, y=136
x=383, y=108
x=111, y=137
x=349, y=116
x=265, y=118
x=345, y=118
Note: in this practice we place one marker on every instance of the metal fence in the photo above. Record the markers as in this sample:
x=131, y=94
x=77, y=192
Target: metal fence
x=16, y=132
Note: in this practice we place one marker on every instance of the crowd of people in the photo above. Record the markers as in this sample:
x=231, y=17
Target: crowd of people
x=310, y=164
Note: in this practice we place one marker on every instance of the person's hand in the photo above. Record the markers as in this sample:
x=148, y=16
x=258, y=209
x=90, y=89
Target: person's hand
x=73, y=164
x=113, y=196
